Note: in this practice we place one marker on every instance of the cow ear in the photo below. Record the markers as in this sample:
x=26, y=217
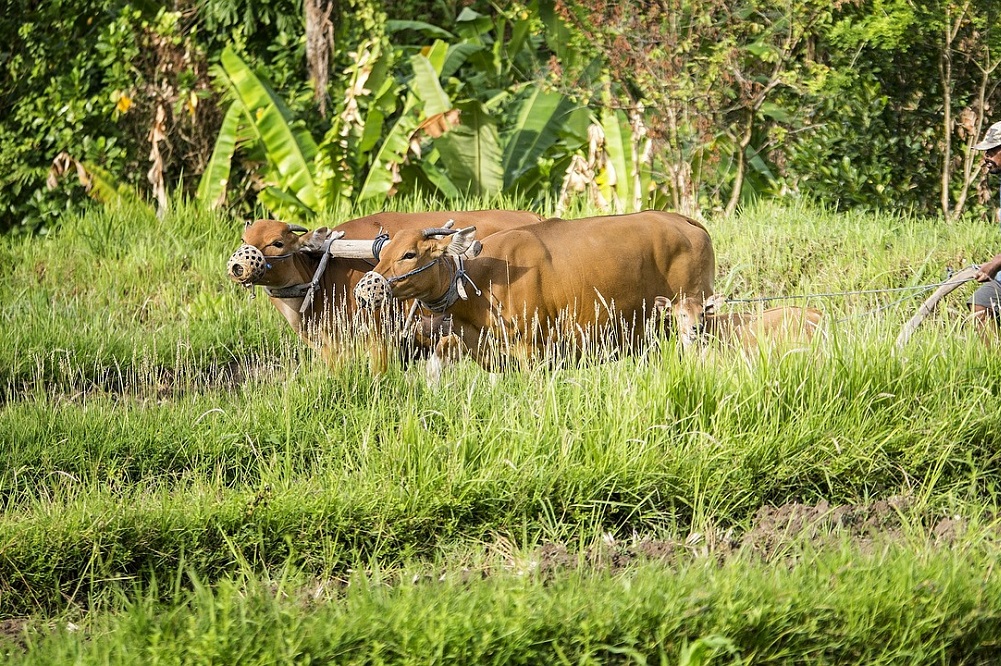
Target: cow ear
x=710, y=304
x=463, y=243
x=662, y=304
x=312, y=241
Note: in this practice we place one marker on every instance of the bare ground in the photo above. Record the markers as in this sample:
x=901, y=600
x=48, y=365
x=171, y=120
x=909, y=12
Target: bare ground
x=12, y=633
x=776, y=533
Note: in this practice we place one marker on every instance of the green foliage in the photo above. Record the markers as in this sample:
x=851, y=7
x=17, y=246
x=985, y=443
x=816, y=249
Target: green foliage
x=55, y=96
x=406, y=124
x=215, y=178
x=735, y=101
x=901, y=64
x=290, y=153
x=472, y=152
x=850, y=156
x=97, y=103
x=902, y=603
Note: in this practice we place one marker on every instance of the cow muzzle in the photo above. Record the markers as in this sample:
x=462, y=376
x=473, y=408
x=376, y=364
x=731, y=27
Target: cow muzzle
x=373, y=291
x=247, y=265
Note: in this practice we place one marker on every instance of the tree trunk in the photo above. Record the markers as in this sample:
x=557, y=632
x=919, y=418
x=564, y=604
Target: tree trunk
x=319, y=44
x=738, y=180
x=684, y=194
x=945, y=73
x=970, y=156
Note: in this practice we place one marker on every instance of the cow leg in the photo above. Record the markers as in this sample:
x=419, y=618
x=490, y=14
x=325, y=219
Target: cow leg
x=448, y=350
x=334, y=353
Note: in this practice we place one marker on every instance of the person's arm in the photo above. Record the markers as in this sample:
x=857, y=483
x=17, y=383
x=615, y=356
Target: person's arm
x=989, y=269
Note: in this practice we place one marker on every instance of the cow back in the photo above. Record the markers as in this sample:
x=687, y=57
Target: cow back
x=586, y=278
x=625, y=260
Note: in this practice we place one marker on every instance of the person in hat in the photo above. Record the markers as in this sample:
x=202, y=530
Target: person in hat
x=986, y=301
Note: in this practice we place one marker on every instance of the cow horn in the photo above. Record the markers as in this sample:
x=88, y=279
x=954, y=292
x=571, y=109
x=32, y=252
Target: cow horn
x=299, y=229
x=438, y=231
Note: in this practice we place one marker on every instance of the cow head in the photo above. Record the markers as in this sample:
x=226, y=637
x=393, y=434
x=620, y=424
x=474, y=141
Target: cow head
x=411, y=265
x=689, y=313
x=268, y=247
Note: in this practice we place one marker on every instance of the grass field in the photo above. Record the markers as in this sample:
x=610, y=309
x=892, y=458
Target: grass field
x=183, y=482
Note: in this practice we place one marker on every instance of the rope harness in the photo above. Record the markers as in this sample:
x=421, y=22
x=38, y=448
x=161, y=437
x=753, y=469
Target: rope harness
x=859, y=292
x=306, y=289
x=456, y=288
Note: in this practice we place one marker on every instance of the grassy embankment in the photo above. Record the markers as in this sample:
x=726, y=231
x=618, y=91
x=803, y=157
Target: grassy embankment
x=180, y=479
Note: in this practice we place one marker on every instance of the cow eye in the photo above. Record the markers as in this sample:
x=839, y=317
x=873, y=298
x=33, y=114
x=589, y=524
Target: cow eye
x=409, y=255
x=278, y=244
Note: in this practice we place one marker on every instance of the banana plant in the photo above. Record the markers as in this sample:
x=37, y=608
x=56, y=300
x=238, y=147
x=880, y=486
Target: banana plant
x=423, y=94
x=539, y=125
x=215, y=178
x=100, y=184
x=446, y=119
x=510, y=133
x=259, y=112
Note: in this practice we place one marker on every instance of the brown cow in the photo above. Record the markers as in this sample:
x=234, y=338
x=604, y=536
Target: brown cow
x=578, y=283
x=283, y=259
x=697, y=321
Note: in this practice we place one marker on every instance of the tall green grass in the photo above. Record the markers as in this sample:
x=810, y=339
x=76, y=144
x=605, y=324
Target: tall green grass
x=169, y=451
x=837, y=606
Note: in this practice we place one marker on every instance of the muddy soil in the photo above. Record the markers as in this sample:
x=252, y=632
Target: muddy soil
x=776, y=533
x=12, y=633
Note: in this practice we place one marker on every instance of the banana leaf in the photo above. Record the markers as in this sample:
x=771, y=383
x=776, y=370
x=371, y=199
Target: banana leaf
x=457, y=56
x=427, y=87
x=436, y=54
x=520, y=32
x=438, y=179
x=418, y=26
x=290, y=154
x=379, y=182
x=103, y=187
x=282, y=203
x=215, y=179
x=471, y=25
x=619, y=149
x=536, y=129
x=471, y=153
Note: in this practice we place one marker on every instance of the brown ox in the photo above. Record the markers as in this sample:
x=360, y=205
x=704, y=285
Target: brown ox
x=578, y=283
x=283, y=259
x=697, y=320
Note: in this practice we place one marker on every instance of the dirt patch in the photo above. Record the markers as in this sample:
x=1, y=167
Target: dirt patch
x=775, y=534
x=12, y=632
x=776, y=528
x=778, y=535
